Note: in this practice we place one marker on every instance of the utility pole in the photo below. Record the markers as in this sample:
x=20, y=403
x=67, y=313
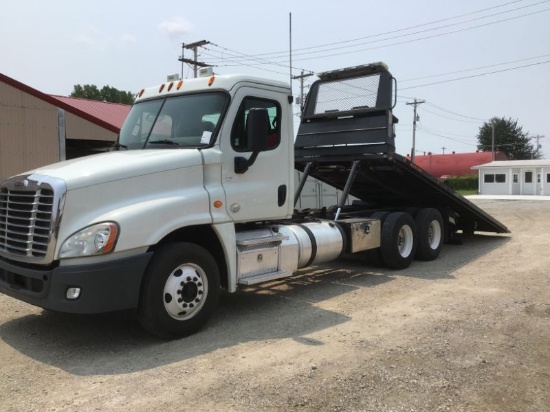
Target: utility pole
x=301, y=77
x=493, y=140
x=443, y=148
x=415, y=118
x=194, y=62
x=537, y=138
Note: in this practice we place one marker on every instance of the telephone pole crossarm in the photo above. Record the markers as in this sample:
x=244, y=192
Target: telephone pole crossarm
x=301, y=77
x=194, y=46
x=415, y=117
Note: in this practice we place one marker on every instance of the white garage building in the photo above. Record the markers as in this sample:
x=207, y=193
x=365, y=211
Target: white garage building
x=515, y=177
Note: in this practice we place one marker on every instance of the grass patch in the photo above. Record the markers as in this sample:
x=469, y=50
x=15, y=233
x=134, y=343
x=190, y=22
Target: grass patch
x=467, y=192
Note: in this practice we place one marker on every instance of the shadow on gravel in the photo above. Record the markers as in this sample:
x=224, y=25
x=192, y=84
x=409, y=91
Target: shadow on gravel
x=114, y=344
x=453, y=257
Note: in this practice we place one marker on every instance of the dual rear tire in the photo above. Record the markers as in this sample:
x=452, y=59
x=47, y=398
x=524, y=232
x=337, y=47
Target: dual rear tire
x=404, y=238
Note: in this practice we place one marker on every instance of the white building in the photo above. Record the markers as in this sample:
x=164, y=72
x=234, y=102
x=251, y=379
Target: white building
x=515, y=177
x=317, y=194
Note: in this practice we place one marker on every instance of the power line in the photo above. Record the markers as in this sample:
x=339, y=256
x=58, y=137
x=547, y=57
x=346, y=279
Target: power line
x=445, y=133
x=277, y=54
x=447, y=137
x=239, y=55
x=450, y=118
x=252, y=66
x=423, y=38
x=475, y=75
x=455, y=113
x=406, y=35
x=472, y=69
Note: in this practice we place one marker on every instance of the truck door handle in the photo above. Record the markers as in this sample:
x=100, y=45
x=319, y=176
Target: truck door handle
x=281, y=195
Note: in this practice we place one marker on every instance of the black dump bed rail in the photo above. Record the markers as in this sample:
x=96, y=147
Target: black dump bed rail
x=346, y=139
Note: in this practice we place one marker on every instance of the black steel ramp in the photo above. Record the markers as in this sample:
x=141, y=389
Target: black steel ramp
x=394, y=182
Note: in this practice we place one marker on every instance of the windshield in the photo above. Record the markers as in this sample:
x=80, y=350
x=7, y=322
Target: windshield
x=180, y=121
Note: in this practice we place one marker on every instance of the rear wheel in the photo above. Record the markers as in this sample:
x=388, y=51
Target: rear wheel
x=398, y=240
x=429, y=234
x=180, y=290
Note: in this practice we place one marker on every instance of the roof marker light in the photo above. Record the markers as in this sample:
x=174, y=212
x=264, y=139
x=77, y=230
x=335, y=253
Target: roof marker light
x=161, y=88
x=179, y=84
x=170, y=86
x=211, y=80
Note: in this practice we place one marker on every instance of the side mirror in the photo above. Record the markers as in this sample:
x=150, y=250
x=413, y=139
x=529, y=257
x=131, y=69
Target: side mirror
x=257, y=130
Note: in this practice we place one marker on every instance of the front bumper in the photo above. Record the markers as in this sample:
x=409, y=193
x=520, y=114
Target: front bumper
x=105, y=287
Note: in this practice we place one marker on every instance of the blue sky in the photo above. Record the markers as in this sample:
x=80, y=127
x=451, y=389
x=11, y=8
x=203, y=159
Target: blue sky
x=500, y=49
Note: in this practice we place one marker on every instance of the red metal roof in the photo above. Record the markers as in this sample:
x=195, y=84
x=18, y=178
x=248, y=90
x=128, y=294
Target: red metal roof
x=95, y=112
x=455, y=164
x=111, y=113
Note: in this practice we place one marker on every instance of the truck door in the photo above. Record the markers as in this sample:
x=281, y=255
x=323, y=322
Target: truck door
x=263, y=191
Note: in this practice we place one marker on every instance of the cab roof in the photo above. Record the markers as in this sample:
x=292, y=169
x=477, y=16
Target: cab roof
x=218, y=82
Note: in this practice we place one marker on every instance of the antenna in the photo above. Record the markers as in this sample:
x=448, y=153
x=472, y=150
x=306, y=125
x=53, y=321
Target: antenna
x=290, y=48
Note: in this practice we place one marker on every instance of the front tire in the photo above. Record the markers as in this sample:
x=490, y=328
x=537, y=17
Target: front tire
x=180, y=290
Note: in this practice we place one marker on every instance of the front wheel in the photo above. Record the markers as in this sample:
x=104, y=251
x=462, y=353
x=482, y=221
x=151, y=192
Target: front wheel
x=180, y=290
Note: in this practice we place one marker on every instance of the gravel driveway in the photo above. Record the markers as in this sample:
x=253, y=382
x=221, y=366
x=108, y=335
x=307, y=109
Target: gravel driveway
x=468, y=332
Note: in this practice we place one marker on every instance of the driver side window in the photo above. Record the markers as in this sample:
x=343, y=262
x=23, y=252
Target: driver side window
x=238, y=133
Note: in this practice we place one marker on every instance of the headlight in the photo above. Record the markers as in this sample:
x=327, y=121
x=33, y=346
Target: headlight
x=97, y=239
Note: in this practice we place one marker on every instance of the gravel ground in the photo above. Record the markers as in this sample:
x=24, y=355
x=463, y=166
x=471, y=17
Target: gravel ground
x=468, y=332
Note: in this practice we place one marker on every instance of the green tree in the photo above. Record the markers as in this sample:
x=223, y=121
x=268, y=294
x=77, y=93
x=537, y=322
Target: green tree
x=106, y=94
x=509, y=139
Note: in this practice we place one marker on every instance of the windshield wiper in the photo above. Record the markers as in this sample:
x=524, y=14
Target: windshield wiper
x=119, y=146
x=165, y=141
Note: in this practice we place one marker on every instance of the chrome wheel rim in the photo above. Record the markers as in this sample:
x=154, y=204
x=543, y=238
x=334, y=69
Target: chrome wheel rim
x=405, y=241
x=434, y=234
x=185, y=291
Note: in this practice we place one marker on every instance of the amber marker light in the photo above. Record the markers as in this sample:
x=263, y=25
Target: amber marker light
x=218, y=204
x=211, y=80
x=170, y=86
x=111, y=242
x=179, y=84
x=161, y=88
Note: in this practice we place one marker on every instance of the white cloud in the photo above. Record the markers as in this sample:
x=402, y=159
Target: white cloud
x=84, y=39
x=90, y=36
x=93, y=37
x=176, y=26
x=127, y=39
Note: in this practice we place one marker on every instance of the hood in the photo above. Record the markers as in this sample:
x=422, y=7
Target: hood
x=112, y=166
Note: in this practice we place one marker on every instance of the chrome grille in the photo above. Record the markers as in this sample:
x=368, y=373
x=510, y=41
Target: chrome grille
x=30, y=212
x=25, y=221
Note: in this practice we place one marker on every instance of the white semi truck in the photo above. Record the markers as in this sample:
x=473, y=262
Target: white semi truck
x=198, y=194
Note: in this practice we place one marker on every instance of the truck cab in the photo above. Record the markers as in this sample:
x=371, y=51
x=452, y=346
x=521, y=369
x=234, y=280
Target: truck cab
x=78, y=236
